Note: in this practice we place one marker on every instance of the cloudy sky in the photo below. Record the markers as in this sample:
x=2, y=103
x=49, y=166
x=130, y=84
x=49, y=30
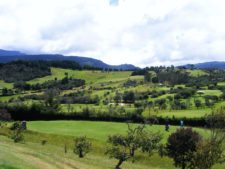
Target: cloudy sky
x=140, y=32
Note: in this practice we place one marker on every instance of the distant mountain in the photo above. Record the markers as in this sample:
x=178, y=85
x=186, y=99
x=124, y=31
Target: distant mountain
x=10, y=53
x=206, y=65
x=8, y=56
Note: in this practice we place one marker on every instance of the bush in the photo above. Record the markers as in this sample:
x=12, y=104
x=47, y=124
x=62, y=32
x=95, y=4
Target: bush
x=82, y=146
x=198, y=103
x=4, y=115
x=181, y=145
x=17, y=135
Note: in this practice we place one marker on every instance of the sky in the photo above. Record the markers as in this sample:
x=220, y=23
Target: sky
x=139, y=32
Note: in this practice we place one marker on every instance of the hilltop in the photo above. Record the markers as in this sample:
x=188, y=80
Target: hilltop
x=8, y=56
x=206, y=65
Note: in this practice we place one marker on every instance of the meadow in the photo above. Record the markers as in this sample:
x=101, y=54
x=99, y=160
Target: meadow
x=33, y=154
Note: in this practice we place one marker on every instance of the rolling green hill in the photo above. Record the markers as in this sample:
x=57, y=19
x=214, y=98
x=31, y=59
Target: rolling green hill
x=32, y=154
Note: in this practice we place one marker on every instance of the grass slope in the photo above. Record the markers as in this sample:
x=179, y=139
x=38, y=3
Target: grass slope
x=88, y=76
x=32, y=154
x=5, y=85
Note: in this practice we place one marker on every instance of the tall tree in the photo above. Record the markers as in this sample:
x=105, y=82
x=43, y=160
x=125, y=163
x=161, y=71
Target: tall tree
x=181, y=146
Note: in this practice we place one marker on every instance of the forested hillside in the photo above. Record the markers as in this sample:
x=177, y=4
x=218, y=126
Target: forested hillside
x=8, y=56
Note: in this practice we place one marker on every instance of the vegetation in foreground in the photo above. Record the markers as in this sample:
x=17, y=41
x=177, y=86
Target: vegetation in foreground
x=38, y=90
x=126, y=144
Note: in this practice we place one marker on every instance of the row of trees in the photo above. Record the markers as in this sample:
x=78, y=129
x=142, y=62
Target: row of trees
x=66, y=83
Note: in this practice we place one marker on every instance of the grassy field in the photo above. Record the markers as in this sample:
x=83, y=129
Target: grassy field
x=33, y=155
x=5, y=85
x=89, y=76
x=197, y=72
x=95, y=130
x=195, y=113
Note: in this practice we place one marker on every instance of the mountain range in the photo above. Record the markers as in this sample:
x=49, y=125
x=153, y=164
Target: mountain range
x=8, y=56
x=206, y=65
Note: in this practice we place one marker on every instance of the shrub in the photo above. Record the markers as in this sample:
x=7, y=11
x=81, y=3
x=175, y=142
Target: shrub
x=181, y=145
x=82, y=146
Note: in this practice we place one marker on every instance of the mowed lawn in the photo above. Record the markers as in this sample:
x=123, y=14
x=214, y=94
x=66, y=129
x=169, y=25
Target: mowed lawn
x=96, y=130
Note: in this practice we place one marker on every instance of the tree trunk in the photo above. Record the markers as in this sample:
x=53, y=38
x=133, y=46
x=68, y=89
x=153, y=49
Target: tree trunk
x=119, y=164
x=81, y=154
x=183, y=165
x=132, y=152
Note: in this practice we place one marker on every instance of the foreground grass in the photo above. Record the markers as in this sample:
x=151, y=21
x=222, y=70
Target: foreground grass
x=57, y=134
x=36, y=156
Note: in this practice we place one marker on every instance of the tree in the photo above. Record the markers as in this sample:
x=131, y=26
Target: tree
x=17, y=134
x=4, y=92
x=211, y=151
x=120, y=153
x=150, y=142
x=148, y=77
x=123, y=147
x=181, y=145
x=51, y=100
x=129, y=97
x=118, y=97
x=82, y=146
x=134, y=138
x=4, y=115
x=198, y=103
x=208, y=153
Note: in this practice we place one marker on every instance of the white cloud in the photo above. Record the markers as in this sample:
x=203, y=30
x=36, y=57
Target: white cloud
x=143, y=33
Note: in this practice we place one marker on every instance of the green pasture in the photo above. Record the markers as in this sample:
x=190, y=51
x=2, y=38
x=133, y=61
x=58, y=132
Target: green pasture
x=98, y=131
x=196, y=72
x=5, y=85
x=33, y=155
x=89, y=76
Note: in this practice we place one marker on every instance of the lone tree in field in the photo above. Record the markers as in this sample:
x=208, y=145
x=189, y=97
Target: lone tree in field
x=17, y=132
x=181, y=146
x=211, y=150
x=124, y=147
x=82, y=146
x=119, y=149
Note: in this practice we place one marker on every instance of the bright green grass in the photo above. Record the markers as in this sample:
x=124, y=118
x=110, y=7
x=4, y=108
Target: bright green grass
x=95, y=130
x=196, y=113
x=89, y=76
x=33, y=155
x=221, y=84
x=197, y=73
x=5, y=85
x=7, y=98
x=212, y=92
x=58, y=133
